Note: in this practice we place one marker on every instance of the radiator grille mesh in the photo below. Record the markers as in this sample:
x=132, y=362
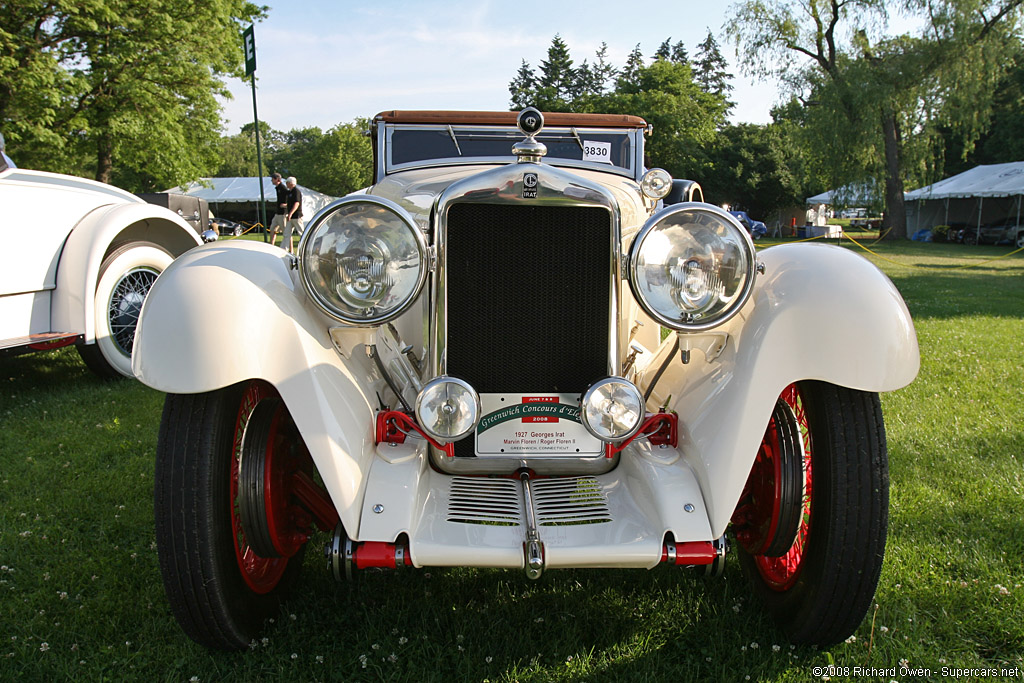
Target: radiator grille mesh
x=528, y=296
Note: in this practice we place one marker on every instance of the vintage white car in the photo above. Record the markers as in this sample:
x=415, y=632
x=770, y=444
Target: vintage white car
x=521, y=349
x=78, y=259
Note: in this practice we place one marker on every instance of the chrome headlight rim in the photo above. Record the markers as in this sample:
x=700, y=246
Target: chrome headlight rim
x=322, y=302
x=446, y=379
x=652, y=224
x=656, y=183
x=592, y=389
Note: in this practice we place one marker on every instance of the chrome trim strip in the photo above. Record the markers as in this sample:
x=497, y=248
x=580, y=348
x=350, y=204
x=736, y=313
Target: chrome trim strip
x=533, y=547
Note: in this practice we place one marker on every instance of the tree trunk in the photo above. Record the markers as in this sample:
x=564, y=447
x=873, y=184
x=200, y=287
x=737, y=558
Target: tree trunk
x=894, y=219
x=104, y=163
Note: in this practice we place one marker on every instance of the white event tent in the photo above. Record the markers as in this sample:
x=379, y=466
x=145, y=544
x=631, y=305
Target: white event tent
x=982, y=195
x=237, y=192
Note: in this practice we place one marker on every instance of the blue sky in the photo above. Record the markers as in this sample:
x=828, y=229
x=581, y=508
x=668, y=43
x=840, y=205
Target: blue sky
x=320, y=63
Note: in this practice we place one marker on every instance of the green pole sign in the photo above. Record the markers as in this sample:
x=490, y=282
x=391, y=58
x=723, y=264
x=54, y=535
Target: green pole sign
x=249, y=42
x=249, y=45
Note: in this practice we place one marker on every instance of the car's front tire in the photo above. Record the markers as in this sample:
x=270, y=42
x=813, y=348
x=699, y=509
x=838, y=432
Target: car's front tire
x=125, y=278
x=817, y=575
x=224, y=459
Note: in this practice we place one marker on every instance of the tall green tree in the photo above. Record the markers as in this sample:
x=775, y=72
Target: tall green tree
x=675, y=53
x=629, y=74
x=343, y=160
x=878, y=99
x=126, y=90
x=557, y=80
x=523, y=88
x=752, y=168
x=710, y=69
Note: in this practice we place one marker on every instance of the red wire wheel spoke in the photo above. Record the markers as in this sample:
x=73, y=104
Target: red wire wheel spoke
x=261, y=574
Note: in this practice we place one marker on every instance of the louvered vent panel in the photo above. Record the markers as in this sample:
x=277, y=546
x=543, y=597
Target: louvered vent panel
x=476, y=500
x=565, y=502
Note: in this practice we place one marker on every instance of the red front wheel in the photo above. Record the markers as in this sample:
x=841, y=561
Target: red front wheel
x=811, y=522
x=231, y=532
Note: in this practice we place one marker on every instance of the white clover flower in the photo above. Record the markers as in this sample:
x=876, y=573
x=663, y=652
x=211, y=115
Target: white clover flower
x=851, y=639
x=44, y=647
x=295, y=655
x=883, y=629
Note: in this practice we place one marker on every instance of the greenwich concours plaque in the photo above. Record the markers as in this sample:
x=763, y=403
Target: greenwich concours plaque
x=533, y=424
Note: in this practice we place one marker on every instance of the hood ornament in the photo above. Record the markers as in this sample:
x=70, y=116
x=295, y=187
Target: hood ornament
x=530, y=122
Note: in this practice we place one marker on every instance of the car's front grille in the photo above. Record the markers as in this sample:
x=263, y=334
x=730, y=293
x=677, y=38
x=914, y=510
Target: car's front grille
x=528, y=297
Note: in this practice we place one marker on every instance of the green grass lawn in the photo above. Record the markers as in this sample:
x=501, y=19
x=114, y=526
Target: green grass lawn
x=81, y=596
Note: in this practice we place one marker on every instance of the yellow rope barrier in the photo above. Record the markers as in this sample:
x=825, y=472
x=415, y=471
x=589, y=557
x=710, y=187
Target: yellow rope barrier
x=911, y=265
x=874, y=253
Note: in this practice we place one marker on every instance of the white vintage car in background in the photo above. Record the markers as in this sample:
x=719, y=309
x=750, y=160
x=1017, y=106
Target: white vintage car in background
x=521, y=349
x=78, y=259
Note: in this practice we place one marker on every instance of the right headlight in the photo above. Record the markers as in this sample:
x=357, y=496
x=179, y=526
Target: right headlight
x=691, y=266
x=363, y=260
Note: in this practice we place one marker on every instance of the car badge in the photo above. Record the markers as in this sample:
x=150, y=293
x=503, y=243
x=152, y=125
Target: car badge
x=529, y=186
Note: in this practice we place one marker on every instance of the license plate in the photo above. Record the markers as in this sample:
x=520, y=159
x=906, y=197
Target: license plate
x=533, y=424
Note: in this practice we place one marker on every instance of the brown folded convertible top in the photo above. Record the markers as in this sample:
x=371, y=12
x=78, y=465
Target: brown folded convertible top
x=508, y=118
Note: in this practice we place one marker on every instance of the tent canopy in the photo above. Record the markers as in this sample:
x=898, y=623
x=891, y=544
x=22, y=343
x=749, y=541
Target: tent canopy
x=993, y=180
x=241, y=190
x=849, y=195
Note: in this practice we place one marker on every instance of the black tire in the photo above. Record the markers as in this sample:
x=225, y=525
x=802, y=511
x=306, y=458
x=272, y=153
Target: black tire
x=200, y=541
x=125, y=278
x=820, y=591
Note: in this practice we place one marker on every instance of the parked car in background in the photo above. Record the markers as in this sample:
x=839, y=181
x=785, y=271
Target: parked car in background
x=78, y=261
x=1004, y=231
x=464, y=366
x=223, y=226
x=757, y=229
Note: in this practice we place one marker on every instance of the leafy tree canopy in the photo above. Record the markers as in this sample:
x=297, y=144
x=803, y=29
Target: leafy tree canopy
x=121, y=90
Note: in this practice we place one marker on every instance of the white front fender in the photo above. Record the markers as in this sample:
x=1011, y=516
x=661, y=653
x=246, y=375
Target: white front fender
x=225, y=313
x=818, y=313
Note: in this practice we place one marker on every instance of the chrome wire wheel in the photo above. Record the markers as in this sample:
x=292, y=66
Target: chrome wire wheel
x=125, y=305
x=122, y=285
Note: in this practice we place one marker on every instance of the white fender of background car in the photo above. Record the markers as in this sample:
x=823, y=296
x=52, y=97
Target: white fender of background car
x=818, y=312
x=222, y=314
x=98, y=233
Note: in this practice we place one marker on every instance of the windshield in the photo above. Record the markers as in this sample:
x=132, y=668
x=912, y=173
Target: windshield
x=413, y=145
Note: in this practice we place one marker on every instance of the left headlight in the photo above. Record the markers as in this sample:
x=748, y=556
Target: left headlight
x=691, y=267
x=363, y=260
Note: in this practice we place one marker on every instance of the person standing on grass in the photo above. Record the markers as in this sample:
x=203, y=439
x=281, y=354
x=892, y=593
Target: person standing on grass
x=294, y=216
x=281, y=207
